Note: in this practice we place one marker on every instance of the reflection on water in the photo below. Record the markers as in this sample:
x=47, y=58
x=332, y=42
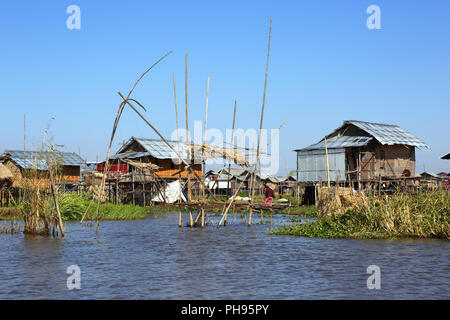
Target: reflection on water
x=154, y=259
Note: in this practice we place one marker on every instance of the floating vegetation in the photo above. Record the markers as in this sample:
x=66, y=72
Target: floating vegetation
x=404, y=215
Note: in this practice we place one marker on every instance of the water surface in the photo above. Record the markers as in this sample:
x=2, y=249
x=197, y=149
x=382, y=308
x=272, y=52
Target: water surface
x=154, y=259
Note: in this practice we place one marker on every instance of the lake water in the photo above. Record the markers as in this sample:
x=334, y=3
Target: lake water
x=154, y=259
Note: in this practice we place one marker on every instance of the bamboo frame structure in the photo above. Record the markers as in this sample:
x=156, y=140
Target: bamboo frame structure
x=242, y=182
x=206, y=150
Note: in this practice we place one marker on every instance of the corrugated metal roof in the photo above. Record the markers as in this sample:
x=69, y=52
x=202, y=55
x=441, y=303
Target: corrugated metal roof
x=158, y=148
x=236, y=173
x=129, y=155
x=35, y=159
x=388, y=134
x=339, y=142
x=429, y=174
x=446, y=157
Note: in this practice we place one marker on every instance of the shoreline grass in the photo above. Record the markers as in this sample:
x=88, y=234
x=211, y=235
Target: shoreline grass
x=74, y=206
x=417, y=215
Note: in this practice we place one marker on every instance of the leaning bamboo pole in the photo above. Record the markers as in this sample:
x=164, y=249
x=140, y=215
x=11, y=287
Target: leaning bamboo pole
x=116, y=123
x=328, y=166
x=260, y=126
x=127, y=101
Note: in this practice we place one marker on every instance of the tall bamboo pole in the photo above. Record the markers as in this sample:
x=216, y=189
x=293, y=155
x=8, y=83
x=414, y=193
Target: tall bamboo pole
x=328, y=167
x=24, y=137
x=116, y=123
x=260, y=126
x=178, y=139
x=188, y=140
x=203, y=156
x=204, y=136
x=231, y=144
x=24, y=147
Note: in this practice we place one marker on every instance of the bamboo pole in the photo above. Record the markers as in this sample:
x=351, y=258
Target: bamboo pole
x=260, y=125
x=203, y=156
x=191, y=149
x=204, y=134
x=187, y=132
x=116, y=123
x=178, y=139
x=229, y=165
x=24, y=139
x=242, y=182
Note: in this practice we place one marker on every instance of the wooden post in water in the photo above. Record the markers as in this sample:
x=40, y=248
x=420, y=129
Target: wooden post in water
x=203, y=217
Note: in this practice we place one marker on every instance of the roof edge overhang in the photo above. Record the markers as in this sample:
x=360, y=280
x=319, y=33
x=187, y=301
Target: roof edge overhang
x=352, y=123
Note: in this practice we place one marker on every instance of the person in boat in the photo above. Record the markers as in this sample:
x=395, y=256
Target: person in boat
x=269, y=195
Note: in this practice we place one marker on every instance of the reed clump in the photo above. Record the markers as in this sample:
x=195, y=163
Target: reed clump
x=40, y=190
x=424, y=214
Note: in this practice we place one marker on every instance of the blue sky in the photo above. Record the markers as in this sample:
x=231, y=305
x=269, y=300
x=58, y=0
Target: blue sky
x=325, y=67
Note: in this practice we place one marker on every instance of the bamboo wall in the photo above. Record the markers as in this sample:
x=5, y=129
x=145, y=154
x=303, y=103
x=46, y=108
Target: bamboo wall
x=377, y=160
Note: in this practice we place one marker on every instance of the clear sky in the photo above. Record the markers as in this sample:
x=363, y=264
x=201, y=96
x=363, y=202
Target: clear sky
x=326, y=66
